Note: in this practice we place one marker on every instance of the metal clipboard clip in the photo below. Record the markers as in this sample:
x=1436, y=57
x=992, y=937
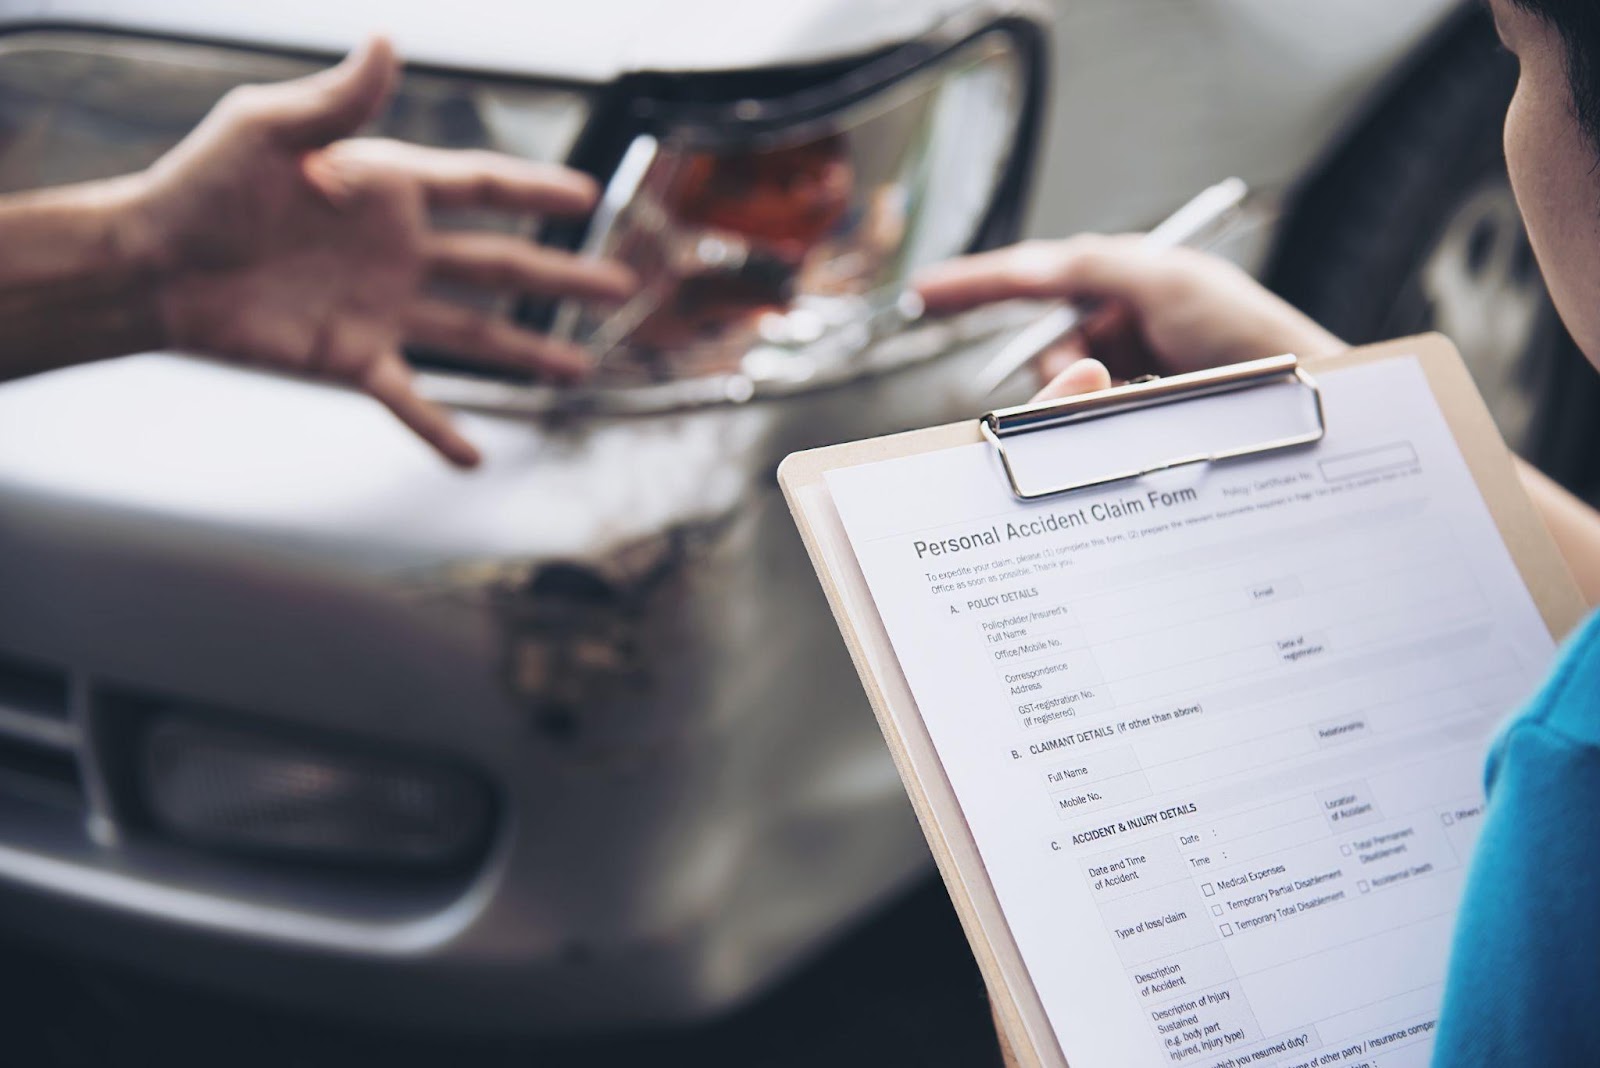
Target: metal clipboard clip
x=1005, y=423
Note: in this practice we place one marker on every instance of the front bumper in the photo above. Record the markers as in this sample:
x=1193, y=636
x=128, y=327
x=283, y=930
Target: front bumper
x=614, y=624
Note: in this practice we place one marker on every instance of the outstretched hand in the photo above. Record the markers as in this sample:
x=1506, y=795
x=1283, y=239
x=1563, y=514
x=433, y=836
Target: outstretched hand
x=1155, y=311
x=281, y=245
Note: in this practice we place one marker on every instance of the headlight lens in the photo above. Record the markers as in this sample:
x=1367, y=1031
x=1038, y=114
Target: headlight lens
x=238, y=790
x=769, y=260
x=77, y=106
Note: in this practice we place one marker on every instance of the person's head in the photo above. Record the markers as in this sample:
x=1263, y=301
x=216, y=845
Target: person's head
x=1552, y=142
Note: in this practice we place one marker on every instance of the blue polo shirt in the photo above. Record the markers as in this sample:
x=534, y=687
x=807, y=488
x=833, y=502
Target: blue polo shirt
x=1524, y=979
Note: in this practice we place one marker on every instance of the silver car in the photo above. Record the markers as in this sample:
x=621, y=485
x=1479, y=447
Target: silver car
x=290, y=709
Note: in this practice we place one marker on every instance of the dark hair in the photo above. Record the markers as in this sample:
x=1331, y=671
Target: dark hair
x=1578, y=23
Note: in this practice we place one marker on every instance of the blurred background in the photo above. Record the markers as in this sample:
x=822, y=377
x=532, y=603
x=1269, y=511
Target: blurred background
x=308, y=762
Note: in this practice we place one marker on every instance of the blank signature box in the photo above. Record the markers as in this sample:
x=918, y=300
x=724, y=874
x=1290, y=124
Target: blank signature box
x=1369, y=462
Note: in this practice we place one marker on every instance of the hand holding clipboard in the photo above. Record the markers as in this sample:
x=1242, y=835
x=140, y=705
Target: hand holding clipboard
x=1160, y=310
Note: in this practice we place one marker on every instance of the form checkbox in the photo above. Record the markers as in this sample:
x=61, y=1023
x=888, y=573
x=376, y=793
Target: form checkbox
x=1345, y=850
x=1447, y=819
x=1361, y=884
x=1216, y=910
x=1208, y=890
x=1227, y=930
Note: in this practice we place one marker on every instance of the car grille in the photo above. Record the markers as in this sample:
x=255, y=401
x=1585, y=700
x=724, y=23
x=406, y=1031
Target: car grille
x=39, y=740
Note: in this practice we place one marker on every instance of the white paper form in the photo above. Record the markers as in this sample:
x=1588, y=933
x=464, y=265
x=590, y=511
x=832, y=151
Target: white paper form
x=1219, y=732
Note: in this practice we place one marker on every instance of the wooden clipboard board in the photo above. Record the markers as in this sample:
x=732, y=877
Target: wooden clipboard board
x=1024, y=1027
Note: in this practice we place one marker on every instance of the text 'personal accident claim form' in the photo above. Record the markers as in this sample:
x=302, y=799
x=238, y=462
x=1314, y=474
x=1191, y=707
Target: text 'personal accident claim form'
x=1219, y=733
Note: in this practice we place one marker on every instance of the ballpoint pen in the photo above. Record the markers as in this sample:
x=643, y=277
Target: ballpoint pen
x=1201, y=218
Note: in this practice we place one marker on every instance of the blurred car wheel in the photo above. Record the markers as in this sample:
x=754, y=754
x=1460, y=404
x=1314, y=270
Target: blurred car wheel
x=1414, y=227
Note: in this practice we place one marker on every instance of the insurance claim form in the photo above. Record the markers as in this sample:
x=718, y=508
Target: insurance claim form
x=1219, y=732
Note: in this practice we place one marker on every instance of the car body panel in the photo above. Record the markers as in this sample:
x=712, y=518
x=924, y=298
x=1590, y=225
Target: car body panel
x=680, y=819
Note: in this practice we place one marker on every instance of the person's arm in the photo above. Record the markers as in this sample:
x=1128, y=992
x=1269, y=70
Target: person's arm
x=267, y=238
x=1521, y=984
x=1178, y=310
x=78, y=281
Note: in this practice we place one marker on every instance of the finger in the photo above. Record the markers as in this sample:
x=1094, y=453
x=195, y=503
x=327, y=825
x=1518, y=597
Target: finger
x=391, y=382
x=1059, y=357
x=491, y=341
x=1085, y=376
x=324, y=174
x=1086, y=267
x=334, y=103
x=516, y=265
x=475, y=178
x=1114, y=335
x=1111, y=335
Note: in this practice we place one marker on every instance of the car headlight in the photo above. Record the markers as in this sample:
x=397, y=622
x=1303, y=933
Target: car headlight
x=775, y=237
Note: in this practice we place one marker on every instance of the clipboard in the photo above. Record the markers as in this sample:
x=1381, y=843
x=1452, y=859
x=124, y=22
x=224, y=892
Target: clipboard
x=1020, y=1014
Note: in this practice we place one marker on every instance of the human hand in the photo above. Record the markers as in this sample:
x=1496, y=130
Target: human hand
x=1156, y=311
x=282, y=246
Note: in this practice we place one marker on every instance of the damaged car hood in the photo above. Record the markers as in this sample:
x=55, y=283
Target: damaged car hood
x=250, y=455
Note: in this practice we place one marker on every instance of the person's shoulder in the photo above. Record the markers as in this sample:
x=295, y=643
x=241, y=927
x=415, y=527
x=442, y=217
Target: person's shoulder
x=1566, y=710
